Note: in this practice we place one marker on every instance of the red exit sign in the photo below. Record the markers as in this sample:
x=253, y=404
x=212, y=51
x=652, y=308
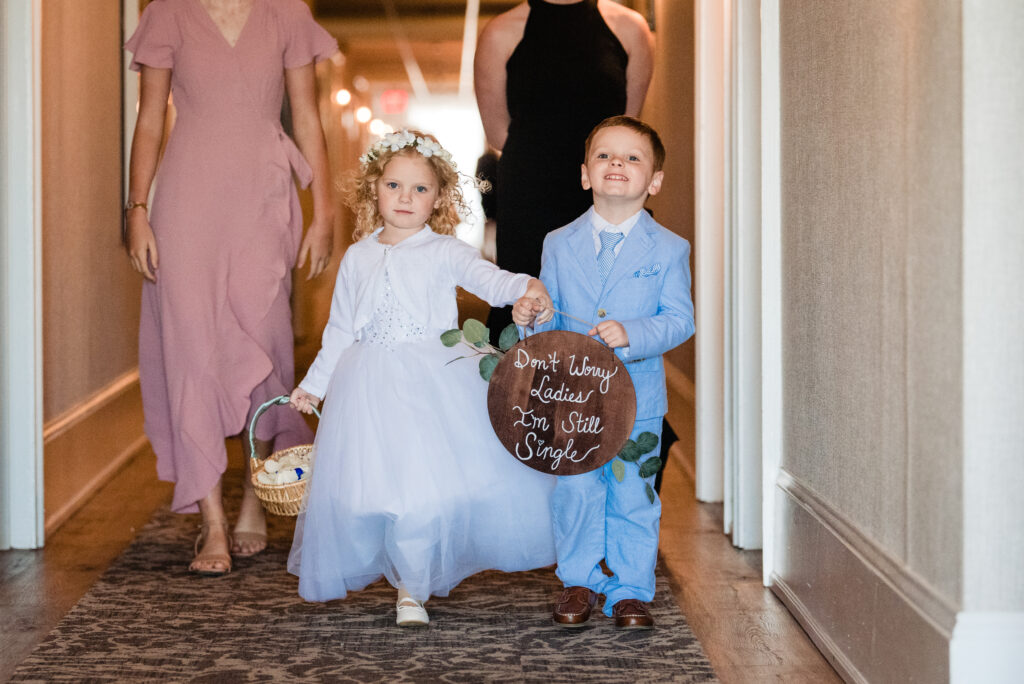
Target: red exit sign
x=394, y=101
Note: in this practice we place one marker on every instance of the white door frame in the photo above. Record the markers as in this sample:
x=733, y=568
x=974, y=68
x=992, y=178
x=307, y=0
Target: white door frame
x=21, y=377
x=738, y=276
x=771, y=278
x=730, y=466
x=710, y=118
x=743, y=502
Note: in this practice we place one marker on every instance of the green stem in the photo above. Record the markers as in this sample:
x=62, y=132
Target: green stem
x=478, y=350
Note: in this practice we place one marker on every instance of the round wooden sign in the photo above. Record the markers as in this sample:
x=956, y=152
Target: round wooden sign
x=561, y=402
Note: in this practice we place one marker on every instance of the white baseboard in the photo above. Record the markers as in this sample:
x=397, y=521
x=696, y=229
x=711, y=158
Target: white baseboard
x=67, y=508
x=96, y=402
x=869, y=614
x=825, y=643
x=85, y=446
x=987, y=647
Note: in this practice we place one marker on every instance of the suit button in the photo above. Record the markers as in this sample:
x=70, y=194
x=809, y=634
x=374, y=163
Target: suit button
x=601, y=313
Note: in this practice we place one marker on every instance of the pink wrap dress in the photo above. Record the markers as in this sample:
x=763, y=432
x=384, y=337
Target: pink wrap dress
x=215, y=337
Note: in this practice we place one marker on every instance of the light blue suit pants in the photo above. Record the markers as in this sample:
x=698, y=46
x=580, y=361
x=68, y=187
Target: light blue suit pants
x=597, y=518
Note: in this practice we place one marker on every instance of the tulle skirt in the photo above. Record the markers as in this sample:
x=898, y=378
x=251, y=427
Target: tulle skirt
x=410, y=483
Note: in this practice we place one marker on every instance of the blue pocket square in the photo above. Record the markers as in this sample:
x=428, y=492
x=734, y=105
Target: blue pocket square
x=648, y=271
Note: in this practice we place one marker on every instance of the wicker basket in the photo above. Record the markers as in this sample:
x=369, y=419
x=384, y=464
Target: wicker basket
x=279, y=499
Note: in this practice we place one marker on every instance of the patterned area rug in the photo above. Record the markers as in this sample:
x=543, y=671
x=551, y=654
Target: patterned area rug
x=147, y=619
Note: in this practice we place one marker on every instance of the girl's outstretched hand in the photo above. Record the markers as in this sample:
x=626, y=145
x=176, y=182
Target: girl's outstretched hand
x=141, y=244
x=543, y=307
x=303, y=400
x=524, y=311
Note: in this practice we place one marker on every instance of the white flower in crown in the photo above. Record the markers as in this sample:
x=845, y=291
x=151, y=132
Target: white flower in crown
x=398, y=140
x=427, y=147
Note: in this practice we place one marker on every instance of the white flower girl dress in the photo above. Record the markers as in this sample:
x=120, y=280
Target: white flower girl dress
x=410, y=482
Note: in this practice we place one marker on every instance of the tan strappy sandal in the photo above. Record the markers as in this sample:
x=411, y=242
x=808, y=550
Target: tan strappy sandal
x=224, y=558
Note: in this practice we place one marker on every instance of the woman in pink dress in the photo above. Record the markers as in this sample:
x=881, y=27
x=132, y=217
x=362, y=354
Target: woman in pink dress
x=217, y=246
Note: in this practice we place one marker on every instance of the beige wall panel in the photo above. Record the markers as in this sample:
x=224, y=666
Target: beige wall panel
x=90, y=295
x=871, y=224
x=670, y=109
x=844, y=250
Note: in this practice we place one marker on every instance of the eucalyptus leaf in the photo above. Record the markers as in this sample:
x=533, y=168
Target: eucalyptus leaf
x=629, y=452
x=450, y=338
x=480, y=345
x=650, y=493
x=487, y=365
x=474, y=331
x=647, y=441
x=618, y=469
x=650, y=467
x=509, y=336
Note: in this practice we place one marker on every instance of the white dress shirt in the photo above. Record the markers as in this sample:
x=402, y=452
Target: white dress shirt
x=599, y=223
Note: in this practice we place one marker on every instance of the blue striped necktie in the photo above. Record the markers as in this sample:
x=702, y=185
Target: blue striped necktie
x=606, y=257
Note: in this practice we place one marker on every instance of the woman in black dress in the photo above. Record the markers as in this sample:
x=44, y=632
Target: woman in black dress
x=547, y=72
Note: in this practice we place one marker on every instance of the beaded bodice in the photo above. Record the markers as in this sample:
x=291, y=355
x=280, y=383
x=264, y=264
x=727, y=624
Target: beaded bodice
x=391, y=323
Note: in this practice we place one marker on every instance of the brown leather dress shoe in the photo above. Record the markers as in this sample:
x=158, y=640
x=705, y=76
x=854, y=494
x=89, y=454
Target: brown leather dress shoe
x=574, y=606
x=632, y=614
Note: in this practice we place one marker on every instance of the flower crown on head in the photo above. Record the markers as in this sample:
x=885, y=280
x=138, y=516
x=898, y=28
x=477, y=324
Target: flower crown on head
x=405, y=138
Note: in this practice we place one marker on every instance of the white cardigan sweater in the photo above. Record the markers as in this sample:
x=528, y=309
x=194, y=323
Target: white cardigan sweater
x=424, y=270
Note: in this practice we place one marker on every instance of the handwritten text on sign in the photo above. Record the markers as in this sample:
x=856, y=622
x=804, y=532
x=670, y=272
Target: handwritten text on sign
x=561, y=403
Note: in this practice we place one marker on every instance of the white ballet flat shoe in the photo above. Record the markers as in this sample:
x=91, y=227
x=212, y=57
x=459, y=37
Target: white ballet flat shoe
x=411, y=613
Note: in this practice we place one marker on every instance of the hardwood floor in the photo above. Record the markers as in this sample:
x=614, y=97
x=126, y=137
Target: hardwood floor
x=38, y=587
x=747, y=633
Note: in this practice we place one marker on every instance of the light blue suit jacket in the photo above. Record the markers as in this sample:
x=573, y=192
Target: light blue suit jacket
x=647, y=291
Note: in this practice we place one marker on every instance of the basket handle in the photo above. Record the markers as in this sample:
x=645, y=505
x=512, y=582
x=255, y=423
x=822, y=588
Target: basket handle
x=283, y=399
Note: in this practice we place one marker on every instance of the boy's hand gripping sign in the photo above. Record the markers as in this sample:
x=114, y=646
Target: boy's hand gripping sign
x=561, y=402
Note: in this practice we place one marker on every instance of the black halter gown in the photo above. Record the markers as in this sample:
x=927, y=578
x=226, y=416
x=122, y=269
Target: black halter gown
x=567, y=74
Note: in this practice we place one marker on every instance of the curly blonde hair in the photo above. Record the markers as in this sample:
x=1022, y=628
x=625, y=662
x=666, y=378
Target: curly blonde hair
x=360, y=189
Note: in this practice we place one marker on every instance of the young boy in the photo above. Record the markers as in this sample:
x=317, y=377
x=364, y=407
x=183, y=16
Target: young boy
x=618, y=268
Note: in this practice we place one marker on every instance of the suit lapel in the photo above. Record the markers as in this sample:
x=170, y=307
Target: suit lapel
x=581, y=242
x=637, y=244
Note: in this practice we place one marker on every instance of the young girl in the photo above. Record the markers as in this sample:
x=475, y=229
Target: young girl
x=410, y=481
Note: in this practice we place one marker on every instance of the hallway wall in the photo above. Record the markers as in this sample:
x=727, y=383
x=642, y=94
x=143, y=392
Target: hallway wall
x=872, y=176
x=90, y=294
x=871, y=262
x=670, y=109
